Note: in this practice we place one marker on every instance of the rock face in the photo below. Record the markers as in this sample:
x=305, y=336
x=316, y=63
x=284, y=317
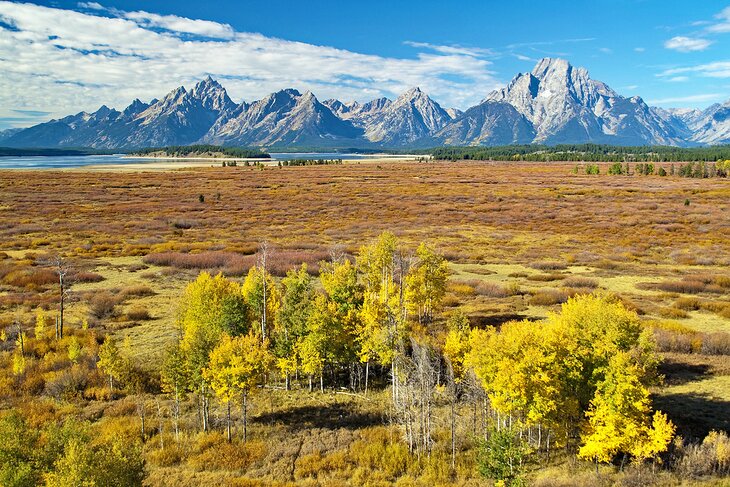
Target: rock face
x=711, y=126
x=411, y=118
x=284, y=118
x=564, y=105
x=554, y=103
x=489, y=123
x=181, y=117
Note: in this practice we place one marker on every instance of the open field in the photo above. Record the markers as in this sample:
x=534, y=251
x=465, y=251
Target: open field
x=521, y=238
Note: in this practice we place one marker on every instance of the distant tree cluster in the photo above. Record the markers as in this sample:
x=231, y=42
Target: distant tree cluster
x=582, y=152
x=310, y=162
x=699, y=170
x=198, y=149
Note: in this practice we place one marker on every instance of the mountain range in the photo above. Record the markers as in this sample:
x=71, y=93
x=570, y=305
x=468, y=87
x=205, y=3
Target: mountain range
x=554, y=103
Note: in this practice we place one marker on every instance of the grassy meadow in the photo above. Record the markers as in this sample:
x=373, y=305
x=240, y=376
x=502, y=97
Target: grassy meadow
x=520, y=238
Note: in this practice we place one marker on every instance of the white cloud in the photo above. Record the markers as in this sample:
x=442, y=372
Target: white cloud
x=687, y=44
x=522, y=57
x=452, y=49
x=174, y=23
x=703, y=98
x=639, y=49
x=606, y=50
x=63, y=61
x=719, y=69
x=678, y=79
x=91, y=5
x=724, y=25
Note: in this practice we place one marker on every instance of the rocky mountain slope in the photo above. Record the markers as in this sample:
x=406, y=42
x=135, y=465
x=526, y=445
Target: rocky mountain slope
x=554, y=103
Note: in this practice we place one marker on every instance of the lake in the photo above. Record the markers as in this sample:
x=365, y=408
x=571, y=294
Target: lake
x=61, y=162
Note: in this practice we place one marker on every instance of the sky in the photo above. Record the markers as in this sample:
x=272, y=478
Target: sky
x=61, y=57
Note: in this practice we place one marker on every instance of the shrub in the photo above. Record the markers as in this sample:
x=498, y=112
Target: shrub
x=67, y=384
x=548, y=297
x=31, y=277
x=545, y=277
x=139, y=290
x=486, y=288
x=717, y=343
x=683, y=286
x=580, y=282
x=102, y=305
x=712, y=456
x=460, y=288
x=549, y=265
x=183, y=224
x=616, y=169
x=513, y=288
x=170, y=456
x=673, y=313
x=215, y=453
x=722, y=281
x=139, y=314
x=687, y=304
x=502, y=456
x=86, y=276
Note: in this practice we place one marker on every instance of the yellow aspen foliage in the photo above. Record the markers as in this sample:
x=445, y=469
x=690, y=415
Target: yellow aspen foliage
x=43, y=324
x=456, y=344
x=74, y=349
x=374, y=333
x=76, y=467
x=321, y=341
x=263, y=298
x=619, y=420
x=382, y=326
x=719, y=443
x=210, y=307
x=18, y=362
x=559, y=371
x=657, y=440
x=339, y=280
x=237, y=365
x=376, y=262
x=518, y=370
x=311, y=354
x=426, y=283
x=111, y=361
x=292, y=317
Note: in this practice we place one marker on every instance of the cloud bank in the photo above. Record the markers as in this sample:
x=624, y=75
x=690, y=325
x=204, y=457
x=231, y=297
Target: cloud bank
x=60, y=61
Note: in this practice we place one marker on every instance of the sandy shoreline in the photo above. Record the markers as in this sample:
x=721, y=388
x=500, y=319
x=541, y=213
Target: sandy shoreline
x=170, y=164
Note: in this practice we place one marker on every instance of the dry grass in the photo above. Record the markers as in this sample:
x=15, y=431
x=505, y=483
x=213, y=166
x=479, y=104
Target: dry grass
x=519, y=237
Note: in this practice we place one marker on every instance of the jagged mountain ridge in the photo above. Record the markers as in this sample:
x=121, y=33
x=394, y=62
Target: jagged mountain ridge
x=554, y=103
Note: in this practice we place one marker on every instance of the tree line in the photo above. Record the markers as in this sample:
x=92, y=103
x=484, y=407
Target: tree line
x=697, y=170
x=582, y=152
x=198, y=149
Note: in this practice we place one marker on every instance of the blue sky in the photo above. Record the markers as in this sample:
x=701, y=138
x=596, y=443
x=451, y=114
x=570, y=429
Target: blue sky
x=59, y=57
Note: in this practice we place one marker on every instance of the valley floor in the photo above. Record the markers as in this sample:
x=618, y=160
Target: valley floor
x=520, y=237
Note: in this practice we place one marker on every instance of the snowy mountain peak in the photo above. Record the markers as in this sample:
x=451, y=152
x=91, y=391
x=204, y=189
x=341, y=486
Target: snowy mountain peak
x=551, y=66
x=412, y=94
x=412, y=116
x=554, y=103
x=212, y=95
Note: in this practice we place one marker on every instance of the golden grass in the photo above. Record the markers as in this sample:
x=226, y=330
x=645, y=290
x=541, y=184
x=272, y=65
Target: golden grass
x=498, y=224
